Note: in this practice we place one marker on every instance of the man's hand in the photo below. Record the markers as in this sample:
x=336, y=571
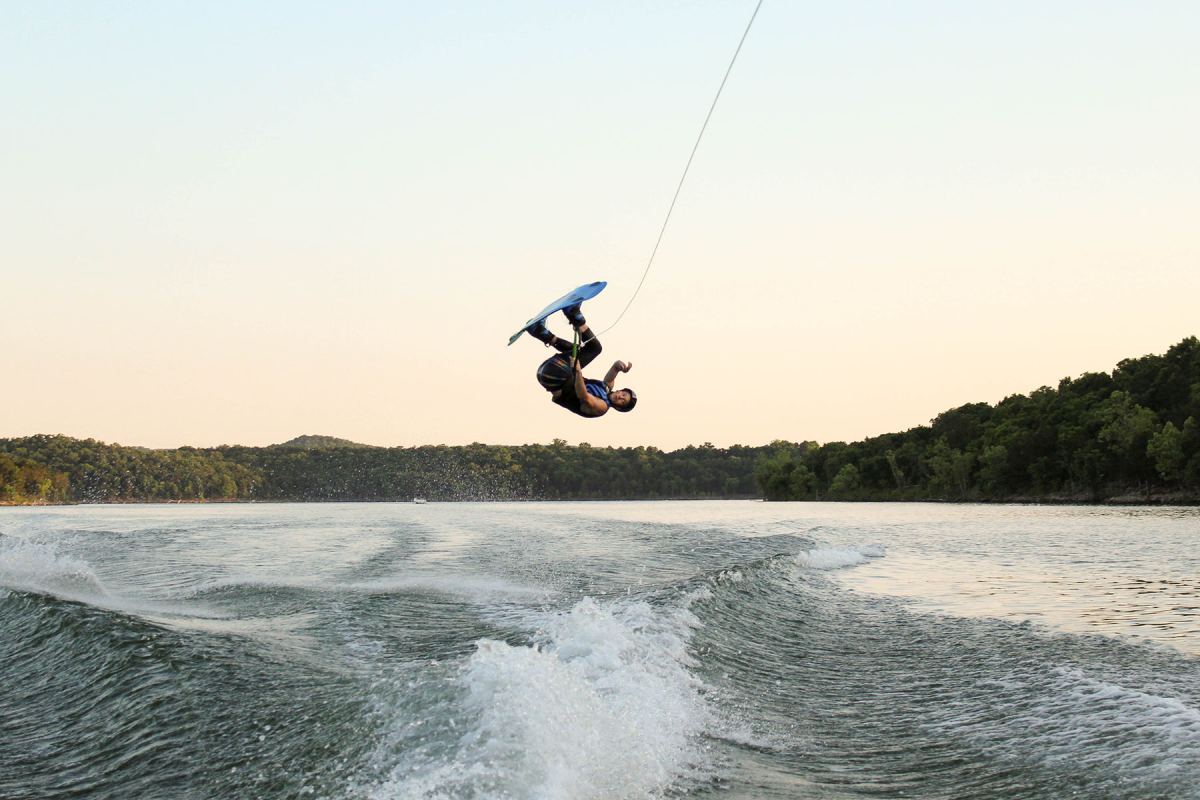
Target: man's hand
x=617, y=368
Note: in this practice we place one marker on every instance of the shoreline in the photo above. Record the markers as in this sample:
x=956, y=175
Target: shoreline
x=1116, y=501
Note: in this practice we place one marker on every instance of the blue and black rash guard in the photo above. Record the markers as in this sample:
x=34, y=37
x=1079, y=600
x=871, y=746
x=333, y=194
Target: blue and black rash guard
x=597, y=389
x=569, y=401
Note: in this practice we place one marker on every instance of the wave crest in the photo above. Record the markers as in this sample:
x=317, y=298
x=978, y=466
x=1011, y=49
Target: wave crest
x=602, y=706
x=827, y=558
x=33, y=566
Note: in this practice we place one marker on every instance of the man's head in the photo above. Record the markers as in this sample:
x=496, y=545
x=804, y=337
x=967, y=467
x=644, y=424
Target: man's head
x=622, y=399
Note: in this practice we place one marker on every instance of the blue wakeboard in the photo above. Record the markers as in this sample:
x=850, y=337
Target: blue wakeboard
x=585, y=292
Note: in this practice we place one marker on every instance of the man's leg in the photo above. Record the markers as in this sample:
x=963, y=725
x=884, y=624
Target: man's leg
x=543, y=335
x=589, y=345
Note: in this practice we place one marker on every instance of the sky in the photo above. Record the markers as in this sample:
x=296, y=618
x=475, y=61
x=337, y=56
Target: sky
x=242, y=222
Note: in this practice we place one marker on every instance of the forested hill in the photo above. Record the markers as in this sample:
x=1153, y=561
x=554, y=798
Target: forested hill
x=309, y=442
x=1130, y=435
x=62, y=469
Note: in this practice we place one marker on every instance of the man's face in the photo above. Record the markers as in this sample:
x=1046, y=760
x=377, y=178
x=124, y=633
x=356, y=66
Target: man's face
x=619, y=398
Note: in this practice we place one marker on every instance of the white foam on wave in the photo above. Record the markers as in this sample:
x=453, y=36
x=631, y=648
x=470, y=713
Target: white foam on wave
x=1143, y=731
x=475, y=587
x=36, y=566
x=472, y=587
x=827, y=558
x=1067, y=717
x=603, y=706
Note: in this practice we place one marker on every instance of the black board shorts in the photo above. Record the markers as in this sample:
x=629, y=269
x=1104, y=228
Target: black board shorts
x=555, y=372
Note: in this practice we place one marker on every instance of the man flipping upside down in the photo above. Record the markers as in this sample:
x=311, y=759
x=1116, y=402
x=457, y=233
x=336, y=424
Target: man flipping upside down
x=564, y=379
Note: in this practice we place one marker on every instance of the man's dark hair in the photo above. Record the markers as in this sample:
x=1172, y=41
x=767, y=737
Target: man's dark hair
x=632, y=401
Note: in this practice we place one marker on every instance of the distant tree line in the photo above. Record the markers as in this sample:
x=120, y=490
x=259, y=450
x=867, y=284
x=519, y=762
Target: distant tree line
x=1134, y=433
x=91, y=471
x=25, y=481
x=84, y=470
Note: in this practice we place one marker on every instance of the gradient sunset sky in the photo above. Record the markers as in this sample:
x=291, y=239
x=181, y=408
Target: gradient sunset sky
x=237, y=223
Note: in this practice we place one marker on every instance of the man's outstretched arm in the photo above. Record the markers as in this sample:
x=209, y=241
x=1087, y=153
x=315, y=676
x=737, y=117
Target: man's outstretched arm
x=617, y=368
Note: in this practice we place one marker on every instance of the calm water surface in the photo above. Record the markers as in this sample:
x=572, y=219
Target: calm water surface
x=599, y=650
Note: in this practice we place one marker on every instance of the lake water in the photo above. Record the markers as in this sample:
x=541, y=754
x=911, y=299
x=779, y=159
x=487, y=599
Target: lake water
x=599, y=650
